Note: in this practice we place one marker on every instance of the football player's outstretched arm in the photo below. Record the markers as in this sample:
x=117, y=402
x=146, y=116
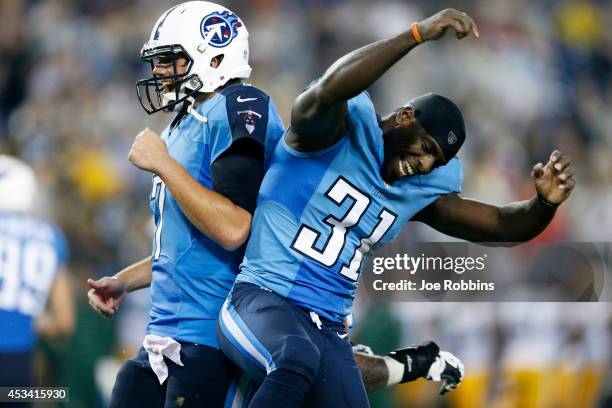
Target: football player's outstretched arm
x=513, y=223
x=106, y=294
x=409, y=364
x=374, y=371
x=318, y=114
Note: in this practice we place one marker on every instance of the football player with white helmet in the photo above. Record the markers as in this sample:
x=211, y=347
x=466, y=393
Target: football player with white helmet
x=35, y=293
x=207, y=166
x=207, y=46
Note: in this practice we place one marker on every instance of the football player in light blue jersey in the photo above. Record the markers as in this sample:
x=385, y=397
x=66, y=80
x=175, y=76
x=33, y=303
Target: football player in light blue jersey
x=207, y=166
x=343, y=181
x=35, y=293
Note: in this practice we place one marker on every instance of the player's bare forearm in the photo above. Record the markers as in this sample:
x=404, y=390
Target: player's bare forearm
x=524, y=220
x=317, y=115
x=213, y=214
x=513, y=223
x=359, y=69
x=136, y=276
x=479, y=222
x=107, y=293
x=374, y=371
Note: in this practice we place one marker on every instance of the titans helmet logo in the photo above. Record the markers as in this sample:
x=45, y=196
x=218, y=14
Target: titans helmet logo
x=221, y=27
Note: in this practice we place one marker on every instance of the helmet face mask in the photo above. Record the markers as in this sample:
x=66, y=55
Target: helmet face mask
x=154, y=93
x=199, y=31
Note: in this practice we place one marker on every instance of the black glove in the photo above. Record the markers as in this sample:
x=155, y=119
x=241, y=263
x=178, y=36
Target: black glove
x=429, y=362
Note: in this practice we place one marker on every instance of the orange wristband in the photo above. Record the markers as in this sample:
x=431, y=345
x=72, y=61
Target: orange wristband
x=415, y=33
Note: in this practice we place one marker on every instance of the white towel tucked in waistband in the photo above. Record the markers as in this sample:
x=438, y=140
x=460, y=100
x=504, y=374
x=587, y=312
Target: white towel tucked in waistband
x=157, y=347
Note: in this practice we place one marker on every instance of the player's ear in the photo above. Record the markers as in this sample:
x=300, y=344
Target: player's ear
x=405, y=115
x=216, y=61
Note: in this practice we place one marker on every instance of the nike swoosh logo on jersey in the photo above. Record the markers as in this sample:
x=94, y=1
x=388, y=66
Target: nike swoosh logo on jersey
x=239, y=99
x=342, y=336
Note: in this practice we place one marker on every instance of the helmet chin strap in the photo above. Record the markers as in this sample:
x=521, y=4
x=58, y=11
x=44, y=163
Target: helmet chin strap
x=190, y=110
x=169, y=97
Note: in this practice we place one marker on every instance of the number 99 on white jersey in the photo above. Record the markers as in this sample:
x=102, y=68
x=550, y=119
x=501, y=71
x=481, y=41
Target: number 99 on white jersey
x=31, y=253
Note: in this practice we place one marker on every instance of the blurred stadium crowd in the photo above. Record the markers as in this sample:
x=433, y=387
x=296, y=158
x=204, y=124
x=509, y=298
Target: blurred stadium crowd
x=539, y=78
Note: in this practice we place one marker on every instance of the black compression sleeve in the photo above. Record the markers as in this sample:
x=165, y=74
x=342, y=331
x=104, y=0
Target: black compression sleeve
x=237, y=174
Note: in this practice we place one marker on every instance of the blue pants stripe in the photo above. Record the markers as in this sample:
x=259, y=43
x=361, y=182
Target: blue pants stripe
x=241, y=337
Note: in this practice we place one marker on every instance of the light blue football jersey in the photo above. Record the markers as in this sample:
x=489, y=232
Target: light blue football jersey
x=32, y=252
x=192, y=274
x=318, y=214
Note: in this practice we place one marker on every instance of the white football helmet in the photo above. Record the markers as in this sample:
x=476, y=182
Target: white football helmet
x=17, y=185
x=198, y=31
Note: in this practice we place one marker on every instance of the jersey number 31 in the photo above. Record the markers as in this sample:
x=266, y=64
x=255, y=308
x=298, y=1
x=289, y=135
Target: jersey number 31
x=307, y=237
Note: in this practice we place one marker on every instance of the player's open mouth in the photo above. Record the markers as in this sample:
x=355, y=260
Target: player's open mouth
x=405, y=168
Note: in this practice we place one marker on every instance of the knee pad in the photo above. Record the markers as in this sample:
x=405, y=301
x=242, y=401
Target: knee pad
x=298, y=354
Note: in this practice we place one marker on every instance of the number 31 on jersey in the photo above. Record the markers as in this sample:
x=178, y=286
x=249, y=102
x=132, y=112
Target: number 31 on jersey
x=306, y=238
